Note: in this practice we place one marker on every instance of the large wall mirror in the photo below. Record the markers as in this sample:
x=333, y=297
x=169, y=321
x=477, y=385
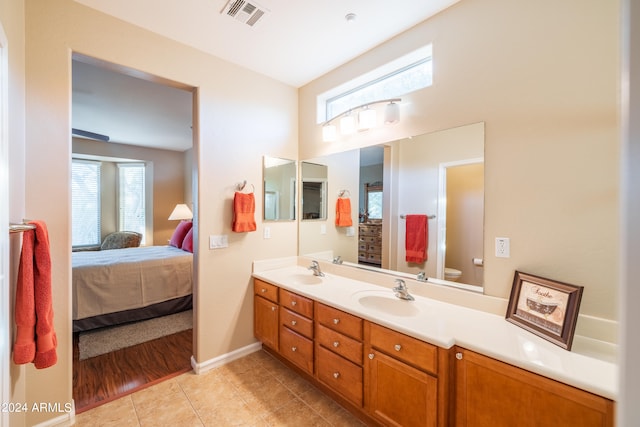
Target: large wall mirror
x=439, y=175
x=279, y=189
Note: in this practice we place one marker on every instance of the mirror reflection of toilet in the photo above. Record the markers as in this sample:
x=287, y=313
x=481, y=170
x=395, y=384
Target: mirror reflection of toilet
x=452, y=274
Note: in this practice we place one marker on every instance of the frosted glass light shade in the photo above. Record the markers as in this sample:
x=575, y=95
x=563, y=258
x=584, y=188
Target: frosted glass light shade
x=366, y=119
x=347, y=125
x=181, y=211
x=392, y=113
x=328, y=133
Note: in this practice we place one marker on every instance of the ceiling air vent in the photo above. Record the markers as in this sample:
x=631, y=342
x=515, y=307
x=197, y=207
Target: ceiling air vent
x=247, y=12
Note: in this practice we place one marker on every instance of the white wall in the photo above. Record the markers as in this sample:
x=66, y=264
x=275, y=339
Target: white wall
x=551, y=142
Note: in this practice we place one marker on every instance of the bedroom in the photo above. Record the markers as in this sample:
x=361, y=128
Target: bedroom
x=150, y=146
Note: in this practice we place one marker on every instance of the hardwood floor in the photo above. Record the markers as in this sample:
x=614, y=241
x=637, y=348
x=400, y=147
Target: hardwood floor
x=103, y=378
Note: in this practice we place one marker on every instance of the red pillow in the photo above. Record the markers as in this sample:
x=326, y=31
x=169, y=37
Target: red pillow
x=187, y=244
x=179, y=233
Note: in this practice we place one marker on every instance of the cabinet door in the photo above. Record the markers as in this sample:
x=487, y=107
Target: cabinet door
x=265, y=321
x=400, y=395
x=489, y=392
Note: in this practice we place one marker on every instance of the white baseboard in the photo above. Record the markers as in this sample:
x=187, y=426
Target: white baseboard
x=207, y=365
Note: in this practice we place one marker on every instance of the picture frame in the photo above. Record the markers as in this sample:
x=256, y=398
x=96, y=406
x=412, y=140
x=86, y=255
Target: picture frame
x=545, y=307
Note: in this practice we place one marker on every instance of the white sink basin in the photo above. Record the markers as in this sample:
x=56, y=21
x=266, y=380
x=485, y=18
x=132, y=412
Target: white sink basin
x=386, y=302
x=305, y=279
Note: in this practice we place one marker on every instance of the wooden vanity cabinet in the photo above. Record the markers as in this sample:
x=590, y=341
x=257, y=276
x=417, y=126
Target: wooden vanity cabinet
x=339, y=352
x=402, y=379
x=296, y=329
x=266, y=325
x=490, y=392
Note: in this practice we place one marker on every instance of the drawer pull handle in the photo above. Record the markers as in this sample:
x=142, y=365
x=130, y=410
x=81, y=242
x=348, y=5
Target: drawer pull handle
x=459, y=356
x=293, y=323
x=294, y=303
x=294, y=348
x=397, y=347
x=263, y=290
x=336, y=343
x=371, y=356
x=336, y=375
x=273, y=308
x=336, y=321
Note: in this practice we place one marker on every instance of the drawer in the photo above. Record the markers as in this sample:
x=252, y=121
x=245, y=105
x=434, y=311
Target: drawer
x=340, y=321
x=296, y=322
x=363, y=246
x=340, y=375
x=297, y=349
x=297, y=303
x=265, y=290
x=374, y=249
x=408, y=349
x=338, y=343
x=374, y=257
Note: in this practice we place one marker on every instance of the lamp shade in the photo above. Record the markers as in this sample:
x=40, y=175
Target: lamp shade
x=347, y=125
x=181, y=211
x=366, y=118
x=328, y=133
x=392, y=113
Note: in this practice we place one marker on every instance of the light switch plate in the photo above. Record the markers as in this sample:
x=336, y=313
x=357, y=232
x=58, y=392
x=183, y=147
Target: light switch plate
x=218, y=241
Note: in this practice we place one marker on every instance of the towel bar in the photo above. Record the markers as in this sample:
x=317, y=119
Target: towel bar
x=403, y=216
x=19, y=228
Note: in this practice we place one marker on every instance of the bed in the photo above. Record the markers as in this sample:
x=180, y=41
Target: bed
x=124, y=285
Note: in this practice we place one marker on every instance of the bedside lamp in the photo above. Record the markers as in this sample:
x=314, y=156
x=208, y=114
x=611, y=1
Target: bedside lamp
x=181, y=211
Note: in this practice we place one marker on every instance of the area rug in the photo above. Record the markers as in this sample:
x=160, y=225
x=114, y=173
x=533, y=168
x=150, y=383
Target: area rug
x=106, y=340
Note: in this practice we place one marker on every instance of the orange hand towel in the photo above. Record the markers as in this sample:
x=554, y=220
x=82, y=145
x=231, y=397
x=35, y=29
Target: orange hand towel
x=343, y=212
x=416, y=238
x=36, y=339
x=244, y=207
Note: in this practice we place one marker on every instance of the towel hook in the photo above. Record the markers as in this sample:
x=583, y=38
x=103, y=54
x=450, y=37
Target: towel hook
x=341, y=193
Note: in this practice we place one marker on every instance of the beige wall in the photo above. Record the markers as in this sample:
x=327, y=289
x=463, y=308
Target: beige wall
x=241, y=117
x=168, y=186
x=551, y=117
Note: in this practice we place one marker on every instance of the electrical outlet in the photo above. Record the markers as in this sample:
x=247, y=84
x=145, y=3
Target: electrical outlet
x=218, y=241
x=502, y=247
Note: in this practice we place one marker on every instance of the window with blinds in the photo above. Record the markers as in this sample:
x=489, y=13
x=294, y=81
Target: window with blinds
x=131, y=198
x=85, y=203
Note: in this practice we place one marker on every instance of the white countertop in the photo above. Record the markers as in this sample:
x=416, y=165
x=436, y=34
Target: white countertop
x=445, y=325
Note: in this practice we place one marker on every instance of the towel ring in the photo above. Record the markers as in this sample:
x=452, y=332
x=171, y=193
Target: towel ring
x=242, y=186
x=341, y=193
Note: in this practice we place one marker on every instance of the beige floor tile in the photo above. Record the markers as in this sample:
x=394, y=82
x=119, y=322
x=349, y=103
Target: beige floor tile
x=230, y=412
x=321, y=403
x=267, y=396
x=295, y=414
x=164, y=404
x=120, y=412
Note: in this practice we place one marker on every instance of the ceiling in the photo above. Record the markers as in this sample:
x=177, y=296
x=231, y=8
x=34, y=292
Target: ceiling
x=293, y=42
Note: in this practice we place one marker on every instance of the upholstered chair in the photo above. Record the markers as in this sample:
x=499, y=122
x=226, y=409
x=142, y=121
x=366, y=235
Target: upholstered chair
x=121, y=239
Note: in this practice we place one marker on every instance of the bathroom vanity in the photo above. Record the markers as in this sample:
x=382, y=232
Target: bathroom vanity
x=356, y=342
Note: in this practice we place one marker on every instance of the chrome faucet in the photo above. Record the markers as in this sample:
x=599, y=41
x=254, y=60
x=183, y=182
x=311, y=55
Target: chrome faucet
x=422, y=277
x=316, y=269
x=401, y=290
x=337, y=260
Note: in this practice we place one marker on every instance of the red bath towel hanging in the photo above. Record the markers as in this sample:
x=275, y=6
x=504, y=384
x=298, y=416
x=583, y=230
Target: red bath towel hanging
x=36, y=339
x=416, y=238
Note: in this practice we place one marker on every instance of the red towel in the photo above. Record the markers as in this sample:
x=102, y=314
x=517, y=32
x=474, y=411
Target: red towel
x=244, y=207
x=36, y=339
x=416, y=238
x=343, y=212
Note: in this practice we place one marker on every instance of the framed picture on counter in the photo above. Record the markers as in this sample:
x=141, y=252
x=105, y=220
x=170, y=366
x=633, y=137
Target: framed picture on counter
x=545, y=307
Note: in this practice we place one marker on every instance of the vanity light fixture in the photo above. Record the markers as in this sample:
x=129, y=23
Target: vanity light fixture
x=367, y=119
x=181, y=211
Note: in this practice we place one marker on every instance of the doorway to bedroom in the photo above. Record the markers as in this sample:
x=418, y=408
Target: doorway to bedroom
x=132, y=203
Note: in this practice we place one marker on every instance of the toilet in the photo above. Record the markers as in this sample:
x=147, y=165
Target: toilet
x=452, y=274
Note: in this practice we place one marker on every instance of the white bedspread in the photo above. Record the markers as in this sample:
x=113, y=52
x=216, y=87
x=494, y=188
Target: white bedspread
x=121, y=279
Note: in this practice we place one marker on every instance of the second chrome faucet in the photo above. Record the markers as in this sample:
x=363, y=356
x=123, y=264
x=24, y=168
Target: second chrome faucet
x=315, y=267
x=401, y=290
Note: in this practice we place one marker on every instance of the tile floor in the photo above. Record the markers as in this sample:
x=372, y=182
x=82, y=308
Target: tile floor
x=256, y=390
